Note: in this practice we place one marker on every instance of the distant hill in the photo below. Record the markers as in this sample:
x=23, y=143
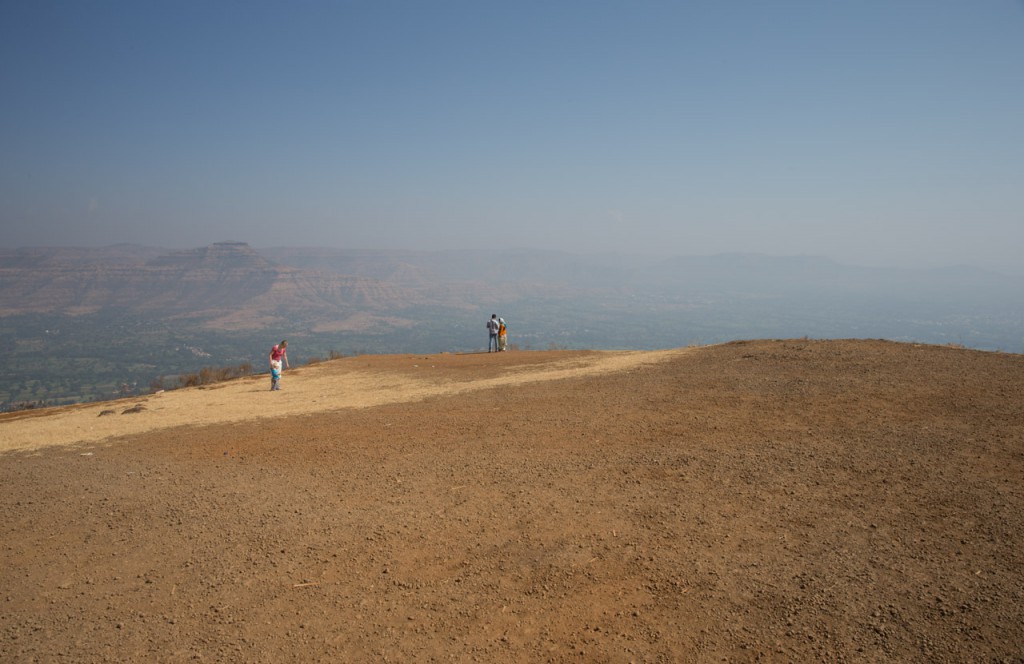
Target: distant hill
x=226, y=284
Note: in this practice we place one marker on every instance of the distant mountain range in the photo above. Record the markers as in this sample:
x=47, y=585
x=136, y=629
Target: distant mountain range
x=230, y=285
x=224, y=285
x=91, y=323
x=532, y=272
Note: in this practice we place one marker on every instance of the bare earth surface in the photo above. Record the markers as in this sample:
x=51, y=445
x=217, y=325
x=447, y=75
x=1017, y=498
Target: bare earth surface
x=773, y=501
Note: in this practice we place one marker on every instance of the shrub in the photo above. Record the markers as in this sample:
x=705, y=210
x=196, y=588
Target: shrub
x=23, y=405
x=210, y=375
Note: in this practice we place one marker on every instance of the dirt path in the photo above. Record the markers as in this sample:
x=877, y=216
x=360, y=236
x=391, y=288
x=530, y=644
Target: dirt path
x=335, y=385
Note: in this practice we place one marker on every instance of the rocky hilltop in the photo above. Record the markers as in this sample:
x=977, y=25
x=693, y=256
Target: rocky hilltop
x=789, y=501
x=222, y=256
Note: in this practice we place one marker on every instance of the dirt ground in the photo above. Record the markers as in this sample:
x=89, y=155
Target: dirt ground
x=851, y=501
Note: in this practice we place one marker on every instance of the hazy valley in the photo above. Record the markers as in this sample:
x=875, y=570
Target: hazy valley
x=93, y=323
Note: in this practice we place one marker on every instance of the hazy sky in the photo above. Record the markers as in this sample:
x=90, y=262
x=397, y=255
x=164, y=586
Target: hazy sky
x=878, y=132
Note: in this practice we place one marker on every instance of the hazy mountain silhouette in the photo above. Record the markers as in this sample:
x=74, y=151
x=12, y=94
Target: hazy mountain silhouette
x=601, y=300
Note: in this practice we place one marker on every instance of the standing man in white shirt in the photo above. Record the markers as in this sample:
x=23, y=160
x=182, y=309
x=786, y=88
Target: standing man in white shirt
x=492, y=330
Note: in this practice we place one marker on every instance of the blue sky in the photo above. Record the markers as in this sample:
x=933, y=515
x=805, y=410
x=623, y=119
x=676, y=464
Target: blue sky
x=874, y=132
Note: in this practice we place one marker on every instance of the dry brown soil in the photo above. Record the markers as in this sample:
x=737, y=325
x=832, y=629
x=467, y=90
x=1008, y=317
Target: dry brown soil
x=854, y=501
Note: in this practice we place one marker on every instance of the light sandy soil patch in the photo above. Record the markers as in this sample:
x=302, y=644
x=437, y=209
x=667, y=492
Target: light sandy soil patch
x=356, y=382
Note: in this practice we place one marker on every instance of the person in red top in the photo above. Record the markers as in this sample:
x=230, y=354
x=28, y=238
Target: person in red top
x=278, y=354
